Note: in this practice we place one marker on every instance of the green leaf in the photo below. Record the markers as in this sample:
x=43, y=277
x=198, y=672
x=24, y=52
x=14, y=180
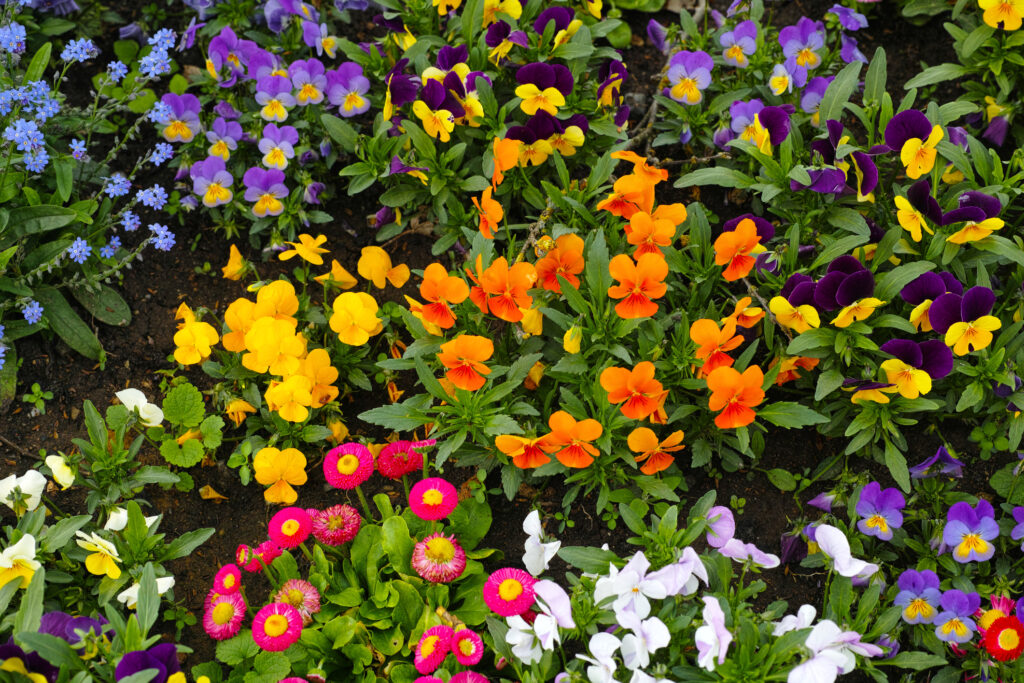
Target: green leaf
x=37, y=66
x=67, y=324
x=269, y=667
x=790, y=415
x=811, y=339
x=30, y=220
x=937, y=74
x=340, y=131
x=8, y=379
x=236, y=650
x=874, y=81
x=917, y=661
x=587, y=558
x=51, y=648
x=827, y=383
x=573, y=296
x=188, y=454
x=400, y=195
x=178, y=84
x=722, y=177
x=148, y=606
x=897, y=465
x=63, y=169
x=57, y=535
x=183, y=405
x=1008, y=484
x=398, y=544
x=839, y=92
x=105, y=304
x=183, y=545
x=782, y=479
x=30, y=611
x=211, y=428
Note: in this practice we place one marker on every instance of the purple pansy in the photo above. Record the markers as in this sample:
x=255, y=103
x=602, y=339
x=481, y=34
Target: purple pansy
x=500, y=38
x=850, y=19
x=721, y=526
x=1006, y=390
x=787, y=76
x=266, y=188
x=798, y=290
x=309, y=81
x=657, y=34
x=689, y=73
x=803, y=42
x=1018, y=531
x=810, y=99
x=846, y=281
x=223, y=138
x=262, y=64
x=211, y=181
x=931, y=356
x=544, y=75
x=905, y=126
x=969, y=529
x=823, y=181
x=880, y=510
x=317, y=36
x=919, y=596
x=162, y=657
x=611, y=76
x=765, y=230
x=227, y=50
x=951, y=308
x=274, y=94
x=741, y=115
x=955, y=623
x=739, y=43
x=823, y=501
x=940, y=463
x=278, y=145
x=849, y=52
x=182, y=124
x=347, y=88
x=402, y=88
x=975, y=207
x=562, y=16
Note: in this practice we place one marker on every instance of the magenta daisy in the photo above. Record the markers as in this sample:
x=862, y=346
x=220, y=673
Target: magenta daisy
x=433, y=648
x=348, y=465
x=336, y=525
x=290, y=527
x=302, y=595
x=252, y=559
x=228, y=579
x=400, y=458
x=468, y=677
x=509, y=591
x=467, y=646
x=428, y=679
x=439, y=558
x=276, y=627
x=224, y=615
x=433, y=498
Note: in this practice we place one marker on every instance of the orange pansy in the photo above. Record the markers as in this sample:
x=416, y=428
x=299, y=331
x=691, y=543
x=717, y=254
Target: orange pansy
x=639, y=283
x=735, y=394
x=641, y=168
x=713, y=344
x=526, y=453
x=491, y=213
x=502, y=290
x=637, y=388
x=506, y=156
x=790, y=365
x=464, y=357
x=566, y=259
x=570, y=440
x=657, y=454
x=630, y=193
x=441, y=289
x=649, y=234
x=745, y=315
x=734, y=248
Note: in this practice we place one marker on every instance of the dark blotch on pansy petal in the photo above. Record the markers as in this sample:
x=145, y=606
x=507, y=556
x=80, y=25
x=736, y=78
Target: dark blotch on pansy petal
x=795, y=281
x=905, y=126
x=825, y=290
x=906, y=350
x=544, y=125
x=497, y=32
x=944, y=311
x=825, y=150
x=449, y=56
x=521, y=133
x=925, y=286
x=976, y=302
x=765, y=229
x=855, y=287
x=537, y=73
x=803, y=294
x=936, y=358
x=845, y=264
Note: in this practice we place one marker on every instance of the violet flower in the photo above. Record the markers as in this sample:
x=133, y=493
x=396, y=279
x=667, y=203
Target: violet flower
x=810, y=98
x=211, y=180
x=965, y=320
x=739, y=43
x=278, y=145
x=849, y=19
x=162, y=657
x=975, y=207
x=823, y=501
x=955, y=624
x=940, y=463
x=500, y=38
x=656, y=33
x=543, y=86
x=225, y=110
x=262, y=64
x=309, y=80
x=689, y=73
x=183, y=122
x=223, y=138
x=721, y=526
x=794, y=548
x=996, y=131
x=226, y=49
x=713, y=638
x=787, y=76
x=922, y=291
x=611, y=75
x=913, y=136
x=401, y=88
x=968, y=531
x=741, y=552
x=562, y=16
x=919, y=596
x=31, y=662
x=318, y=37
x=849, y=52
x=1018, y=531
x=266, y=188
x=742, y=114
x=274, y=94
x=859, y=171
x=823, y=181
x=916, y=364
x=346, y=89
x=188, y=36
x=847, y=286
x=1007, y=390
x=881, y=510
x=803, y=42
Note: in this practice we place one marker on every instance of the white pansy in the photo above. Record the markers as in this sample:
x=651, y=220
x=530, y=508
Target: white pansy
x=118, y=520
x=133, y=399
x=130, y=596
x=538, y=554
x=31, y=485
x=62, y=473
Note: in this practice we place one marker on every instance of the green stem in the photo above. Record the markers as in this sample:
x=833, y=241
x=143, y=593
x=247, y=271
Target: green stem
x=362, y=501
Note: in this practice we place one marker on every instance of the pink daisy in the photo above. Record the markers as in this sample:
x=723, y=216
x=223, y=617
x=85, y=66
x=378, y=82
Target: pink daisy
x=290, y=527
x=439, y=558
x=428, y=679
x=302, y=595
x=228, y=579
x=433, y=498
x=401, y=457
x=276, y=627
x=468, y=677
x=348, y=465
x=509, y=591
x=336, y=525
x=468, y=647
x=253, y=559
x=224, y=615
x=433, y=648
x=294, y=679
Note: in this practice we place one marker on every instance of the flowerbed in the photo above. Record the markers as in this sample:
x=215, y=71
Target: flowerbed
x=583, y=324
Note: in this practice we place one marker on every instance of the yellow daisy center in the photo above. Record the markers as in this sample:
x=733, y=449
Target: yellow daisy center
x=432, y=497
x=223, y=613
x=290, y=527
x=347, y=464
x=1008, y=639
x=440, y=550
x=429, y=645
x=510, y=589
x=275, y=625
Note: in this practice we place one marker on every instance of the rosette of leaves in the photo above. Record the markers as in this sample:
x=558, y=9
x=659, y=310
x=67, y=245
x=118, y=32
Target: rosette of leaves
x=192, y=434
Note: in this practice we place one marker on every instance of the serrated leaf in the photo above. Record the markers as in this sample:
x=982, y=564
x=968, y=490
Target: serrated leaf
x=212, y=428
x=236, y=650
x=183, y=405
x=186, y=455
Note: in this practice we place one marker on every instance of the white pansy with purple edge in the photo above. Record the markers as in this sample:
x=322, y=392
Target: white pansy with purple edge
x=713, y=637
x=834, y=544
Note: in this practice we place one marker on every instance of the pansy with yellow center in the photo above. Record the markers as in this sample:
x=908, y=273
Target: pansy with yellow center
x=880, y=511
x=919, y=596
x=970, y=530
x=543, y=86
x=964, y=320
x=916, y=364
x=103, y=557
x=689, y=73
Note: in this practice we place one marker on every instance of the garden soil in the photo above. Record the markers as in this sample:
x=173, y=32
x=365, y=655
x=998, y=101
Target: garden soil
x=138, y=356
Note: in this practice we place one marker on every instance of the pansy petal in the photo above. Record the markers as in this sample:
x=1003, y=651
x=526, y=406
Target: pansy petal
x=855, y=287
x=906, y=350
x=936, y=358
x=905, y=126
x=944, y=311
x=976, y=302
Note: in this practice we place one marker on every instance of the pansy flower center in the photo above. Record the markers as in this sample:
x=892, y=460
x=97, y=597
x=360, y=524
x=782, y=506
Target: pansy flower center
x=736, y=54
x=353, y=101
x=807, y=57
x=309, y=92
x=956, y=626
x=919, y=607
x=879, y=522
x=178, y=129
x=972, y=543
